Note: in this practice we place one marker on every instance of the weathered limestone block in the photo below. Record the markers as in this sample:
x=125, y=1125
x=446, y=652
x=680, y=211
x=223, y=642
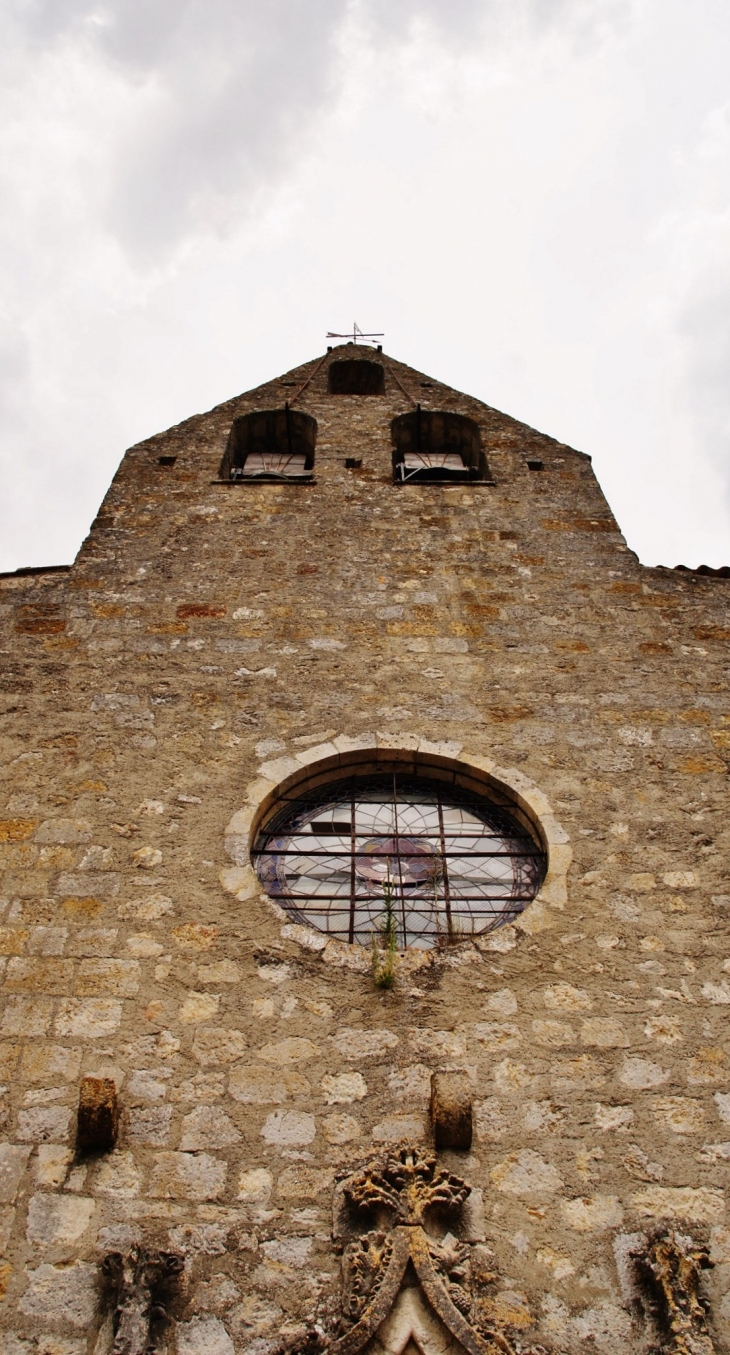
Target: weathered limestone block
x=338, y=955
x=147, y=858
x=202, y=1239
x=605, y=1032
x=503, y=1002
x=203, y=1336
x=49, y=1064
x=199, y=1007
x=52, y=1164
x=495, y=1035
x=62, y=1295
x=593, y=1213
x=13, y=1162
x=641, y=1074
x=340, y=1128
x=27, y=1016
x=218, y=1045
x=145, y=1084
x=118, y=1177
x=700, y=1205
x=363, y=1044
x=64, y=830
x=295, y=1049
x=680, y=1114
x=143, y=946
x=13, y=940
x=407, y=1085
x=195, y=936
x=436, y=1044
x=55, y=1219
x=208, y=1127
x=43, y=1124
x=344, y=1088
x=490, y=1119
x=262, y=1086
x=289, y=1127
x=301, y=1182
x=150, y=909
x=224, y=971
x=188, y=1176
x=526, y=1173
x=398, y=1128
x=150, y=1125
x=304, y=936
x=120, y=978
x=553, y=1034
x=255, y=1186
x=89, y=1018
x=35, y=975
x=563, y=997
x=47, y=940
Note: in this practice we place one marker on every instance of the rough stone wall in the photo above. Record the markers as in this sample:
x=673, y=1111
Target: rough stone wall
x=206, y=629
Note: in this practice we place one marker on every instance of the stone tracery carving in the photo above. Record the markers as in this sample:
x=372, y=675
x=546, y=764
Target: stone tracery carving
x=364, y=1263
x=404, y=1193
x=668, y=1269
x=138, y=1282
x=408, y=1185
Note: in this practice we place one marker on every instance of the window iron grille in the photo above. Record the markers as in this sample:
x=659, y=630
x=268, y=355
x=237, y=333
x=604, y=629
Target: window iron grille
x=448, y=864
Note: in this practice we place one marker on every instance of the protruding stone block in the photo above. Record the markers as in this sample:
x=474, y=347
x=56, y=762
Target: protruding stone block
x=98, y=1123
x=451, y=1110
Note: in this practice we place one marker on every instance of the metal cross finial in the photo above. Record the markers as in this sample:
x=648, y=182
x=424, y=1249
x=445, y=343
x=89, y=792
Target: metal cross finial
x=357, y=333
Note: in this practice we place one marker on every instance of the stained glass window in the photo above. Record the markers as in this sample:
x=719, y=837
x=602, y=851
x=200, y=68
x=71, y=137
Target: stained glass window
x=445, y=864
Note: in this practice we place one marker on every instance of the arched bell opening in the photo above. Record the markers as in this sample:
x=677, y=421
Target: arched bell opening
x=270, y=444
x=436, y=445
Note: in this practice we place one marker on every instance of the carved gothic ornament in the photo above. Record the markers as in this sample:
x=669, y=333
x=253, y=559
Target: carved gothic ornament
x=139, y=1282
x=406, y=1187
x=384, y=1266
x=667, y=1272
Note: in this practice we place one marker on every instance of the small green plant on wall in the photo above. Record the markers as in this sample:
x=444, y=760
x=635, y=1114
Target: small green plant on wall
x=384, y=964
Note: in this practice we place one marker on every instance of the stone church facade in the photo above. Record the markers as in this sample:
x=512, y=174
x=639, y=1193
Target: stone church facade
x=365, y=916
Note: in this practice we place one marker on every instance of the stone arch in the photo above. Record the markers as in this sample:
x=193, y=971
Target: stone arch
x=281, y=441
x=437, y=445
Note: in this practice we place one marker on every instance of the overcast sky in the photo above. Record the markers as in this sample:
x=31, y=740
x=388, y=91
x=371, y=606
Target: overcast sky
x=530, y=197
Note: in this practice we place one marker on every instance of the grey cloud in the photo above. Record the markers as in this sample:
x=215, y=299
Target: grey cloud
x=224, y=93
x=236, y=97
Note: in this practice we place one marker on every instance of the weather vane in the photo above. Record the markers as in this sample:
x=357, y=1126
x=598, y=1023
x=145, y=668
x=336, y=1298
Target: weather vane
x=357, y=333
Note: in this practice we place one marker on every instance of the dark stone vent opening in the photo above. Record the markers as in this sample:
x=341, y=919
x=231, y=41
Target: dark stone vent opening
x=355, y=376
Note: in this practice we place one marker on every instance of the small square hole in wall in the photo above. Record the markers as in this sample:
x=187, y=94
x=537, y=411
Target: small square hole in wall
x=353, y=462
x=166, y=460
x=536, y=465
